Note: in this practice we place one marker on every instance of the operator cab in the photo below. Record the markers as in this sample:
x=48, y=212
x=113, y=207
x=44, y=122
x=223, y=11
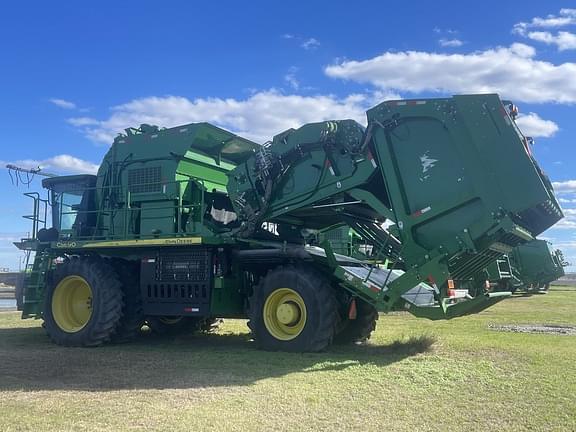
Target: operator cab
x=72, y=202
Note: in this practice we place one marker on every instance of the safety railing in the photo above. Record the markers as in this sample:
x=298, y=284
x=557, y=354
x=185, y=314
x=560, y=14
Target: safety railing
x=120, y=203
x=39, y=215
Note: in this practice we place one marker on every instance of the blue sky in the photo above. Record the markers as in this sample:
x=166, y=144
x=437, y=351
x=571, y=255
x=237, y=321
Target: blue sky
x=76, y=73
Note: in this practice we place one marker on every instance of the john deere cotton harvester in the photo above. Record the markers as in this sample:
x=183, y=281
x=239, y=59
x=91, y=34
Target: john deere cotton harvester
x=185, y=225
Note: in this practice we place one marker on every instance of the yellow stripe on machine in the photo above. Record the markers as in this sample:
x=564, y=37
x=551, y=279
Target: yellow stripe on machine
x=174, y=241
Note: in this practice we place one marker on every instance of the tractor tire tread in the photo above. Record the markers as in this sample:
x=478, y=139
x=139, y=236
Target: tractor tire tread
x=132, y=320
x=106, y=288
x=358, y=330
x=324, y=298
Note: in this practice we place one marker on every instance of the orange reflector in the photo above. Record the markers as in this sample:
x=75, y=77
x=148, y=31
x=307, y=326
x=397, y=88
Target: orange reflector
x=451, y=292
x=352, y=311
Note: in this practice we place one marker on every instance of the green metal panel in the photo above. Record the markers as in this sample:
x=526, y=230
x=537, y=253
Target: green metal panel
x=153, y=165
x=341, y=240
x=316, y=165
x=157, y=217
x=227, y=300
x=536, y=263
x=204, y=138
x=448, y=165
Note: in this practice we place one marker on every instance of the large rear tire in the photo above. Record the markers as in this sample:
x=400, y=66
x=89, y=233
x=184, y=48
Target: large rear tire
x=132, y=319
x=359, y=330
x=83, y=303
x=293, y=308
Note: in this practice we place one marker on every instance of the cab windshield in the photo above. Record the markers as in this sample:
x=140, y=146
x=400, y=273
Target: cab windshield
x=66, y=206
x=72, y=203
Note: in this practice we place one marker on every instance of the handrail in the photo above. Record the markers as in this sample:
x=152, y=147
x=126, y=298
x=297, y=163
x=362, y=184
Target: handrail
x=35, y=217
x=129, y=205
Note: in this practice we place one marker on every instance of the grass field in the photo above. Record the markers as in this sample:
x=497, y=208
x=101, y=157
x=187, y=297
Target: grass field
x=414, y=375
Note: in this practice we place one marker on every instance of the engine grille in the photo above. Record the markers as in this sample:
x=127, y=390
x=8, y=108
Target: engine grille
x=191, y=266
x=176, y=283
x=177, y=292
x=145, y=180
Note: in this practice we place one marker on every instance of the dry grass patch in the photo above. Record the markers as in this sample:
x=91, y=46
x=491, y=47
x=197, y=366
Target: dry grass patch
x=413, y=375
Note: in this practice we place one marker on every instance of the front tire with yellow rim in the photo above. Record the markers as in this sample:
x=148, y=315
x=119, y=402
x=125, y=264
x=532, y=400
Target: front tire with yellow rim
x=83, y=302
x=293, y=308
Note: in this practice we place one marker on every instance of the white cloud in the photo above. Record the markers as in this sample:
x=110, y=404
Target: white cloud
x=61, y=163
x=63, y=103
x=564, y=18
x=310, y=44
x=82, y=121
x=565, y=187
x=569, y=221
x=532, y=125
x=565, y=244
x=290, y=78
x=447, y=31
x=259, y=117
x=450, y=42
x=563, y=40
x=566, y=192
x=511, y=71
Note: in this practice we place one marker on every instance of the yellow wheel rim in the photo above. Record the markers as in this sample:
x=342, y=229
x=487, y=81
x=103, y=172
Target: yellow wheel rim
x=72, y=304
x=284, y=314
